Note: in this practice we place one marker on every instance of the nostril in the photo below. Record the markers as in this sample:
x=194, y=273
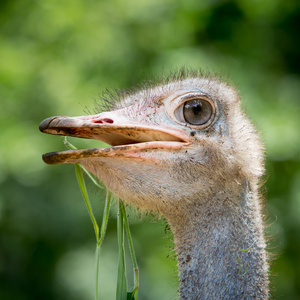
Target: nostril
x=106, y=120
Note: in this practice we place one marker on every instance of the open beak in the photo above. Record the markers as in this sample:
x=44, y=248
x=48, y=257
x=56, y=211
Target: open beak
x=127, y=138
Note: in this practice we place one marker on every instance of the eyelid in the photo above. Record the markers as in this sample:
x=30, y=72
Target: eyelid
x=180, y=100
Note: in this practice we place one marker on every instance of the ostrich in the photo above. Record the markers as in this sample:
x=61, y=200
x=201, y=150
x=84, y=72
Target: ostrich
x=184, y=148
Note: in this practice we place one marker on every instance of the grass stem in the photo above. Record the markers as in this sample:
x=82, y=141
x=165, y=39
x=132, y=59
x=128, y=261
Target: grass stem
x=121, y=281
x=132, y=253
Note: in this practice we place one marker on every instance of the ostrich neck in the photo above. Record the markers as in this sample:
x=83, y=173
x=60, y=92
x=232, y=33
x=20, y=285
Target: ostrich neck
x=221, y=248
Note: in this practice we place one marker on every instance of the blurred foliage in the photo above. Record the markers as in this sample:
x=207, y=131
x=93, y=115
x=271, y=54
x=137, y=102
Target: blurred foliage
x=57, y=55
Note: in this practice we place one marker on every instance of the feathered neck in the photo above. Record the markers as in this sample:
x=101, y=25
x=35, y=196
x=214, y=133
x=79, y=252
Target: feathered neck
x=221, y=252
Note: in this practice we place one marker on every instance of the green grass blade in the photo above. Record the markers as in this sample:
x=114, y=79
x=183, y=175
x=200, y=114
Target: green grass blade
x=97, y=270
x=242, y=265
x=105, y=217
x=96, y=227
x=90, y=176
x=121, y=293
x=134, y=294
x=72, y=147
x=102, y=234
x=68, y=144
x=86, y=199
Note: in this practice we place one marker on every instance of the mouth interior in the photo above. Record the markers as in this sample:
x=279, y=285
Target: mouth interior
x=120, y=146
x=126, y=137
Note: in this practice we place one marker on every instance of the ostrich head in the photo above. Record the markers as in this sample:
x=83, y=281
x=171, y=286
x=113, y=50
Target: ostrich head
x=185, y=149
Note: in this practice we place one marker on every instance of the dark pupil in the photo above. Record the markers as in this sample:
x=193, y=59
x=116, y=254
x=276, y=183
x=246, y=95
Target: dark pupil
x=197, y=111
x=197, y=108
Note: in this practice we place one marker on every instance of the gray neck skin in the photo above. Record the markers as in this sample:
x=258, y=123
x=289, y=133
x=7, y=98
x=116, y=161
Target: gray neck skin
x=221, y=249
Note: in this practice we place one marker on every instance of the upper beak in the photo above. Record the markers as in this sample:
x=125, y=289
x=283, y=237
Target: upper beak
x=113, y=128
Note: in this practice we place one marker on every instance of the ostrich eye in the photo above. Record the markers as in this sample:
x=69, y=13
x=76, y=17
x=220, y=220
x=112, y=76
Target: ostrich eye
x=197, y=111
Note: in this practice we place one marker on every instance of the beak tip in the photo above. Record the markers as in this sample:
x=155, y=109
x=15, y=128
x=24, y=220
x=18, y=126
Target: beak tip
x=51, y=159
x=45, y=124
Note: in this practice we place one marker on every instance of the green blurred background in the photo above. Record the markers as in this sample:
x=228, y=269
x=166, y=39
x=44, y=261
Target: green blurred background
x=57, y=55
